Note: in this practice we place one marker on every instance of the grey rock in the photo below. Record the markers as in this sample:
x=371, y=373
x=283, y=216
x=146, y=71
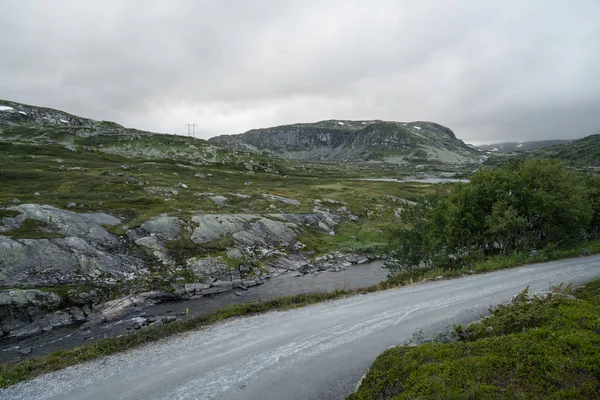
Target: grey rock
x=210, y=267
x=26, y=331
x=257, y=230
x=61, y=261
x=25, y=350
x=19, y=308
x=118, y=308
x=219, y=200
x=195, y=288
x=87, y=252
x=157, y=230
x=218, y=287
x=235, y=253
x=71, y=205
x=244, y=269
x=283, y=199
x=164, y=320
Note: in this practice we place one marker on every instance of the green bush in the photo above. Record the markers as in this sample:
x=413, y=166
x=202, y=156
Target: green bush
x=534, y=204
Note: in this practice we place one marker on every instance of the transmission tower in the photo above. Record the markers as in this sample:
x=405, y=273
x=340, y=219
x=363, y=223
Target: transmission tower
x=191, y=129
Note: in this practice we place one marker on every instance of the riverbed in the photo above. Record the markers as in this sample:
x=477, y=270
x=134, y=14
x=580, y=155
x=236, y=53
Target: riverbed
x=355, y=276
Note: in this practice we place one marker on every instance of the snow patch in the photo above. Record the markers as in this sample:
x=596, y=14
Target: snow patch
x=519, y=145
x=6, y=108
x=417, y=127
x=64, y=120
x=22, y=112
x=340, y=123
x=364, y=123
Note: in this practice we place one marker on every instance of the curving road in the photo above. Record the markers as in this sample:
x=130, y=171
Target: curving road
x=317, y=352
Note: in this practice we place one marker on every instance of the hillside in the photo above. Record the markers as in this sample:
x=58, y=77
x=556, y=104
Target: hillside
x=374, y=141
x=581, y=153
x=509, y=147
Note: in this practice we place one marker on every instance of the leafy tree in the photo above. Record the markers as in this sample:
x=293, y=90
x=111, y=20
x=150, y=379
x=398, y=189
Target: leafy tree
x=519, y=206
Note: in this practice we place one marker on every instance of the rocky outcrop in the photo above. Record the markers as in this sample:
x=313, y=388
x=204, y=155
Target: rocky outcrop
x=87, y=252
x=80, y=250
x=154, y=233
x=255, y=230
x=25, y=313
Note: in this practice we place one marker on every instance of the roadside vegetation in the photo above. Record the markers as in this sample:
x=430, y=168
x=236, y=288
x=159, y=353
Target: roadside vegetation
x=504, y=213
x=537, y=347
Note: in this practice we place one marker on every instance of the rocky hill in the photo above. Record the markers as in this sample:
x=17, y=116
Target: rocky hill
x=376, y=141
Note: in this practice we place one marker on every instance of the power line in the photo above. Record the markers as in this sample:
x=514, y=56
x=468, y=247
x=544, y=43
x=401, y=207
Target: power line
x=191, y=129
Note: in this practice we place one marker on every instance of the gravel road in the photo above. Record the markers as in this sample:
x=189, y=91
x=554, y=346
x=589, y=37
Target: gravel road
x=317, y=352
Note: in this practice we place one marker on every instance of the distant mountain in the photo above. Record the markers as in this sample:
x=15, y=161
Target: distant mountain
x=509, y=147
x=373, y=141
x=12, y=113
x=45, y=126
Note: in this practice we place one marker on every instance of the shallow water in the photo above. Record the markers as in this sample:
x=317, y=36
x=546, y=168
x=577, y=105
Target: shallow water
x=417, y=180
x=355, y=276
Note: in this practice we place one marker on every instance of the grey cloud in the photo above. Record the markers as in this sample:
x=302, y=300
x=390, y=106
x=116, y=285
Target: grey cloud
x=493, y=70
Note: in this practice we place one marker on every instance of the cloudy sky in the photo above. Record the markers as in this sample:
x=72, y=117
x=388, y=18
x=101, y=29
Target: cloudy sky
x=490, y=70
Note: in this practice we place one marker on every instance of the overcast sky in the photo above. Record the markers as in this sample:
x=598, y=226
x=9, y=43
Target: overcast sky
x=490, y=70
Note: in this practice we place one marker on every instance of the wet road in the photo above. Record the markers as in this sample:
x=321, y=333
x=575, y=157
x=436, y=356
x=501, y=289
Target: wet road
x=317, y=352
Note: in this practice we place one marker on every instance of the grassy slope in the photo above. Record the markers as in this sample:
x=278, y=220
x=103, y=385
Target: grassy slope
x=137, y=188
x=546, y=348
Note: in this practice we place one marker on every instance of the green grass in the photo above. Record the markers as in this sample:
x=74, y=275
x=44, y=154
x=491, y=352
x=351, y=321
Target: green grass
x=547, y=348
x=32, y=229
x=8, y=214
